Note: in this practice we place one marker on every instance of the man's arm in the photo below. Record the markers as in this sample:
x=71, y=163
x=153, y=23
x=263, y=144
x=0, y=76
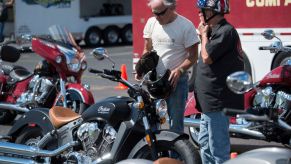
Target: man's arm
x=148, y=46
x=9, y=3
x=177, y=72
x=193, y=56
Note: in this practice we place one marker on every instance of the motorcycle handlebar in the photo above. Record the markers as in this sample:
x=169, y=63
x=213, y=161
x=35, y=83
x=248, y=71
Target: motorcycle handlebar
x=244, y=114
x=231, y=111
x=267, y=48
x=112, y=75
x=91, y=70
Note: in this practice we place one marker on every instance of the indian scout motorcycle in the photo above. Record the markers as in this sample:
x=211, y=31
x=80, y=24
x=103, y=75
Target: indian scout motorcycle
x=241, y=82
x=272, y=94
x=109, y=131
x=55, y=81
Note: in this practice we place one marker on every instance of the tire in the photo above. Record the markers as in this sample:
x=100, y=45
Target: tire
x=93, y=37
x=247, y=65
x=281, y=59
x=126, y=34
x=7, y=117
x=194, y=132
x=111, y=35
x=29, y=136
x=181, y=150
x=191, y=79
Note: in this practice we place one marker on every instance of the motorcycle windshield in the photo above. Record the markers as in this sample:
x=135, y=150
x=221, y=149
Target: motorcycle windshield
x=61, y=34
x=66, y=44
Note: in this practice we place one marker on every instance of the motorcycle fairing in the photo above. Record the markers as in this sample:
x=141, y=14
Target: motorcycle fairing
x=113, y=109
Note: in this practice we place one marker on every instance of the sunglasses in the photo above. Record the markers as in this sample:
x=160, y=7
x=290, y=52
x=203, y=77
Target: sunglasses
x=160, y=13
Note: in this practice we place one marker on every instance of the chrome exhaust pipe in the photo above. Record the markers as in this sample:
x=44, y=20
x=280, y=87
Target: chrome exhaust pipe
x=13, y=107
x=191, y=122
x=29, y=151
x=11, y=160
x=241, y=129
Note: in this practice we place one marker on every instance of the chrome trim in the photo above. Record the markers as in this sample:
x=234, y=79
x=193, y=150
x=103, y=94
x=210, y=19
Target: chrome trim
x=63, y=91
x=13, y=107
x=30, y=151
x=242, y=129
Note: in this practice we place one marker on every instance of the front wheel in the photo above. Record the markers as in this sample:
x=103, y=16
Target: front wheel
x=181, y=150
x=194, y=132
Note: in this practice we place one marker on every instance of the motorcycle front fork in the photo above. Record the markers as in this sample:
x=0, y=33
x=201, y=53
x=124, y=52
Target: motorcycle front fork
x=150, y=138
x=63, y=92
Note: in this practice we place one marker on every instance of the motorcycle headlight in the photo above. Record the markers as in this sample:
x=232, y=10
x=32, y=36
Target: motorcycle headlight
x=161, y=109
x=74, y=65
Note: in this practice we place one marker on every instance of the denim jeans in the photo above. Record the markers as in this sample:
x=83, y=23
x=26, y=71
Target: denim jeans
x=1, y=31
x=176, y=103
x=214, y=138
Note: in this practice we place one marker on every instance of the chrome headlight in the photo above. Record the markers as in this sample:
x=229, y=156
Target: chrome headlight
x=74, y=65
x=161, y=109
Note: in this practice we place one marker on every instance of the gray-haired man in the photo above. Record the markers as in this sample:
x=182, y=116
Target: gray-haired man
x=175, y=40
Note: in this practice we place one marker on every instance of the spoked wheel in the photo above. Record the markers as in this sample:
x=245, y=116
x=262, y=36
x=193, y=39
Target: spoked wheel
x=194, y=132
x=181, y=150
x=29, y=136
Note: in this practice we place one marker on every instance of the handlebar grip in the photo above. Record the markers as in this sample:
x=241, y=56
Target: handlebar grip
x=265, y=48
x=91, y=70
x=232, y=112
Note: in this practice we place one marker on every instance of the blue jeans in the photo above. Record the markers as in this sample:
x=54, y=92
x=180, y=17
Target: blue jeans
x=214, y=138
x=176, y=104
x=1, y=31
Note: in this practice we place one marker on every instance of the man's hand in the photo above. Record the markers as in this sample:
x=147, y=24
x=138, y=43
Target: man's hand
x=203, y=29
x=174, y=77
x=137, y=78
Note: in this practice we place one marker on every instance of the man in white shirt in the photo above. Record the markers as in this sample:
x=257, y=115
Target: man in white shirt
x=175, y=39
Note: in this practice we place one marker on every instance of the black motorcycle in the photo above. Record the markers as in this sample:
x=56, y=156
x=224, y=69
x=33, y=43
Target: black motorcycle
x=109, y=131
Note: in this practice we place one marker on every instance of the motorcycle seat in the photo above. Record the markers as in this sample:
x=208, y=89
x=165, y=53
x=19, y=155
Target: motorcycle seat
x=16, y=73
x=60, y=116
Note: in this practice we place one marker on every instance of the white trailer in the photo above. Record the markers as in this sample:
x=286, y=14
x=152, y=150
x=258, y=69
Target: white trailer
x=96, y=22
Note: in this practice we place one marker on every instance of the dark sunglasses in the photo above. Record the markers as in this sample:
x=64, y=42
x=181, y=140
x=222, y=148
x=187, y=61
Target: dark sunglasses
x=160, y=13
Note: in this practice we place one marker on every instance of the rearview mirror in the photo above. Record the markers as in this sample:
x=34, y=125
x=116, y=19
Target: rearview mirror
x=101, y=53
x=239, y=82
x=268, y=34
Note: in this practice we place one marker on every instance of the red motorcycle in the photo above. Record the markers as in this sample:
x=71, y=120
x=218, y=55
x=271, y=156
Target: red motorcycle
x=55, y=81
x=267, y=114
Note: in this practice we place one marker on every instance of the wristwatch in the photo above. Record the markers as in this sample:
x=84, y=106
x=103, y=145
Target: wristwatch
x=181, y=70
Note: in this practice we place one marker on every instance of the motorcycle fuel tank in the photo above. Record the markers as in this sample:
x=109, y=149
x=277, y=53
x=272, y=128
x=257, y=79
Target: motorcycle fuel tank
x=113, y=109
x=280, y=75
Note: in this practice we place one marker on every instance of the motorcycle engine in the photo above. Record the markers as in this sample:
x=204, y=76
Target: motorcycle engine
x=264, y=98
x=89, y=133
x=267, y=98
x=39, y=90
x=283, y=101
